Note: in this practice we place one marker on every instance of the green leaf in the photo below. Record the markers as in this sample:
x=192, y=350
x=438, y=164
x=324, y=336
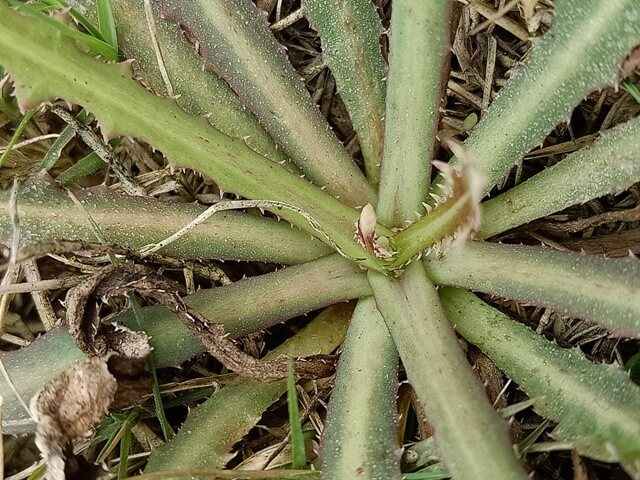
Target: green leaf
x=298, y=451
x=359, y=441
x=94, y=43
x=632, y=89
x=596, y=406
x=276, y=297
x=47, y=214
x=206, y=438
x=470, y=435
x=70, y=74
x=610, y=165
x=29, y=369
x=579, y=54
x=24, y=121
x=413, y=101
x=235, y=40
x=199, y=92
x=85, y=167
x=54, y=152
x=454, y=217
x=350, y=33
x=602, y=290
x=106, y=23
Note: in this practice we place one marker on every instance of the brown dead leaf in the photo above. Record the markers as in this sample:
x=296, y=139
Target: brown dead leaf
x=96, y=338
x=67, y=408
x=631, y=63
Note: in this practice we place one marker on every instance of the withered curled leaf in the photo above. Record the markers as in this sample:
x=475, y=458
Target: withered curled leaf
x=97, y=338
x=67, y=408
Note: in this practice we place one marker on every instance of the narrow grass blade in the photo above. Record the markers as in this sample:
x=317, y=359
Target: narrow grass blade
x=167, y=431
x=581, y=53
x=602, y=290
x=596, y=406
x=125, y=446
x=96, y=44
x=236, y=42
x=298, y=452
x=206, y=438
x=83, y=168
x=106, y=23
x=71, y=74
x=413, y=99
x=46, y=214
x=350, y=33
x=67, y=134
x=611, y=165
x=471, y=437
x=359, y=440
x=632, y=89
x=24, y=121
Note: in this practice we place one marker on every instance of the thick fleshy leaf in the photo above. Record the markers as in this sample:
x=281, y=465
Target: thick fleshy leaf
x=470, y=435
x=274, y=298
x=611, y=165
x=64, y=71
x=602, y=290
x=199, y=92
x=234, y=40
x=350, y=33
x=413, y=100
x=47, y=214
x=454, y=218
x=359, y=440
x=206, y=438
x=581, y=53
x=597, y=407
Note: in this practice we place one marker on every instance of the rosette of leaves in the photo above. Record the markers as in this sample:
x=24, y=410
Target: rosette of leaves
x=396, y=234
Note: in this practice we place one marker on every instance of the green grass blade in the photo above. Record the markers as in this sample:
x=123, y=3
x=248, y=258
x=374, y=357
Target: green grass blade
x=471, y=437
x=350, y=33
x=235, y=40
x=93, y=30
x=632, y=89
x=206, y=438
x=167, y=431
x=125, y=445
x=611, y=165
x=85, y=167
x=581, y=53
x=359, y=441
x=413, y=98
x=596, y=406
x=95, y=44
x=24, y=121
x=602, y=290
x=298, y=451
x=71, y=74
x=106, y=23
x=67, y=134
x=47, y=213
